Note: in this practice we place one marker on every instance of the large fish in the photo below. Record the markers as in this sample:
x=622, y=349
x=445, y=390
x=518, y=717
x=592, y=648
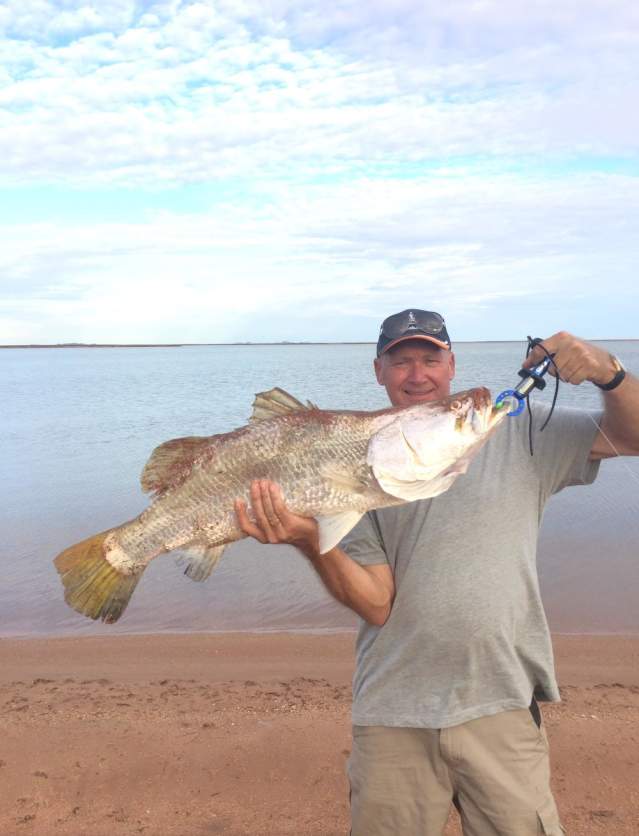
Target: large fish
x=334, y=466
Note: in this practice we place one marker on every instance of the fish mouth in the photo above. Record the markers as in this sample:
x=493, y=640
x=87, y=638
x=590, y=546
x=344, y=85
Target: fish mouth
x=476, y=411
x=496, y=416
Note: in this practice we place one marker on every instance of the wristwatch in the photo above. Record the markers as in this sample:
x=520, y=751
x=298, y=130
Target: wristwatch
x=620, y=373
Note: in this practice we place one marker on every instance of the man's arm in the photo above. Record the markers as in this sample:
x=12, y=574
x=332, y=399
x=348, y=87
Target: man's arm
x=368, y=590
x=619, y=432
x=579, y=361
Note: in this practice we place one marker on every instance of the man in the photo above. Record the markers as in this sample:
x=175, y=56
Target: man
x=454, y=650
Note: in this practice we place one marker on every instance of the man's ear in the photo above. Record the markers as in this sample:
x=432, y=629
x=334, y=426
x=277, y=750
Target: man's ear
x=451, y=363
x=377, y=365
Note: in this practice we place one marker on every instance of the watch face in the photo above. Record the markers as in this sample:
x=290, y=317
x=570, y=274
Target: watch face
x=619, y=366
x=620, y=374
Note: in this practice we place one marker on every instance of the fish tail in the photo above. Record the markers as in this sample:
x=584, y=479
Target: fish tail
x=92, y=586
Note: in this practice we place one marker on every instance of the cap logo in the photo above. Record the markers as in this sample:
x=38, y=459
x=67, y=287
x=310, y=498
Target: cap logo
x=412, y=322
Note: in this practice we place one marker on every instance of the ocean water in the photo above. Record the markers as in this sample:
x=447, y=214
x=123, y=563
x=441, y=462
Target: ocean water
x=78, y=424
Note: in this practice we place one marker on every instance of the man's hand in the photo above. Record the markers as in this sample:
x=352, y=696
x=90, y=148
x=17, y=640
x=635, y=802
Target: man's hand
x=576, y=359
x=274, y=523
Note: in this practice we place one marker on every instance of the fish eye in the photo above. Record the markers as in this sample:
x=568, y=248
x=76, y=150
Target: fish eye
x=456, y=405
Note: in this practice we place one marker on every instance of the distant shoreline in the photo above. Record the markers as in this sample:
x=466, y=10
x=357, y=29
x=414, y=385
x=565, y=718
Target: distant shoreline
x=282, y=343
x=174, y=345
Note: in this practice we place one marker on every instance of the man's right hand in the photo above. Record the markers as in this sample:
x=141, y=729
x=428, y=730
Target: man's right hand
x=273, y=522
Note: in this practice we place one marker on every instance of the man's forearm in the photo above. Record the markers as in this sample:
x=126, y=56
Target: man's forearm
x=620, y=421
x=352, y=585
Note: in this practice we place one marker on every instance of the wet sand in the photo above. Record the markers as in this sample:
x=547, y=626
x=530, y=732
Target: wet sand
x=249, y=734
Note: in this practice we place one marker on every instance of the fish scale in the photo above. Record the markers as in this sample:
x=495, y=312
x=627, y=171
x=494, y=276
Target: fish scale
x=333, y=466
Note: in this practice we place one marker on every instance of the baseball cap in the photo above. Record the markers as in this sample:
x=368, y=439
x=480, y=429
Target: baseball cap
x=413, y=324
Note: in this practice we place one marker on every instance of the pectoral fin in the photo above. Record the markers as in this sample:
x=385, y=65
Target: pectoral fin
x=343, y=479
x=200, y=560
x=333, y=528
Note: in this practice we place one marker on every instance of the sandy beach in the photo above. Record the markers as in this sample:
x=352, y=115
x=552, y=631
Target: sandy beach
x=249, y=734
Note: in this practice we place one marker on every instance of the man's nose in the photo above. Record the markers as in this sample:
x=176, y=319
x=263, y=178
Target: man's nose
x=418, y=373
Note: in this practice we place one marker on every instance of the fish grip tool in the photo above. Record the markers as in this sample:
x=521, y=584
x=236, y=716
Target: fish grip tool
x=533, y=378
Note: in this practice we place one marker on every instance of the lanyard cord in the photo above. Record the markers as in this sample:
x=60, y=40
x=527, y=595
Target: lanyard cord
x=536, y=343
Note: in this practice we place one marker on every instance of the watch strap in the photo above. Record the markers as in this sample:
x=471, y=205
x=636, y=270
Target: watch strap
x=617, y=379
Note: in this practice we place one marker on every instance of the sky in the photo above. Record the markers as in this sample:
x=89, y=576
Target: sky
x=265, y=170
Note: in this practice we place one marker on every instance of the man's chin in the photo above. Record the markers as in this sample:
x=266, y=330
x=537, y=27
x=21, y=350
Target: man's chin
x=411, y=399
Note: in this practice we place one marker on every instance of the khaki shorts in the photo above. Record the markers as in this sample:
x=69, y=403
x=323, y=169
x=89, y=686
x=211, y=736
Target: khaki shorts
x=495, y=769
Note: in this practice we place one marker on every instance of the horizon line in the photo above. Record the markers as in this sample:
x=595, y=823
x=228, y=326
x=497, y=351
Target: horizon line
x=275, y=342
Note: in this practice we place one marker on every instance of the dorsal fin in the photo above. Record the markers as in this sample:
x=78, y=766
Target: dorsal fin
x=170, y=461
x=276, y=402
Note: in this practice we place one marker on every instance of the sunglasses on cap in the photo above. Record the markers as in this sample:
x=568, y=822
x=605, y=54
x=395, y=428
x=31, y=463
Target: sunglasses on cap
x=412, y=323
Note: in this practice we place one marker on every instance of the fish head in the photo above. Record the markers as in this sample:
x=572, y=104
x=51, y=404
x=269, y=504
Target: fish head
x=425, y=447
x=473, y=411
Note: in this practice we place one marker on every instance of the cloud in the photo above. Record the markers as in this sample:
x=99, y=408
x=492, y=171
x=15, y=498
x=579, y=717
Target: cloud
x=363, y=246
x=356, y=156
x=187, y=91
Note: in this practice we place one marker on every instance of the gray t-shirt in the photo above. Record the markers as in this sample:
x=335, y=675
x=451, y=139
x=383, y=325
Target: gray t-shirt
x=467, y=635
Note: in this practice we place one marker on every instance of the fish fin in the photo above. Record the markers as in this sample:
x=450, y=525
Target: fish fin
x=332, y=529
x=170, y=461
x=92, y=586
x=276, y=402
x=201, y=559
x=343, y=480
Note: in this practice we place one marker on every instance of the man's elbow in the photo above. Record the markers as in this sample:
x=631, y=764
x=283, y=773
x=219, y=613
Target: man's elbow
x=377, y=620
x=378, y=616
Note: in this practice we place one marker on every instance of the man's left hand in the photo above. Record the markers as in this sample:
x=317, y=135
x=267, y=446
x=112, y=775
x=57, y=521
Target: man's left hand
x=576, y=359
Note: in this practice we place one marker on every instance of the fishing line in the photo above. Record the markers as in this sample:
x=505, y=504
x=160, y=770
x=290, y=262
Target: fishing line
x=617, y=453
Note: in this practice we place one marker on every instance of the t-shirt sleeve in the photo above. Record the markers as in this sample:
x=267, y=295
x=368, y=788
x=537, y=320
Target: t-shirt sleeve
x=562, y=451
x=364, y=543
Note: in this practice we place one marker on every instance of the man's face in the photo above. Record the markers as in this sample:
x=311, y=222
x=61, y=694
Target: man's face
x=415, y=371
